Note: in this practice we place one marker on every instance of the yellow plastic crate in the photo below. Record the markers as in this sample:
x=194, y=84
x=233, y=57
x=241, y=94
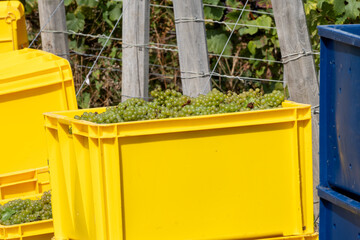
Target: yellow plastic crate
x=13, y=35
x=20, y=57
x=31, y=82
x=242, y=175
x=40, y=230
x=24, y=183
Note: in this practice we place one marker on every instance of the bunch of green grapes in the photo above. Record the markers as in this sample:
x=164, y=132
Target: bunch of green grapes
x=172, y=104
x=23, y=211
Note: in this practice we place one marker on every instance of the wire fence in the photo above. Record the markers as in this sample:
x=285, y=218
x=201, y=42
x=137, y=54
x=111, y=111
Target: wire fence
x=231, y=70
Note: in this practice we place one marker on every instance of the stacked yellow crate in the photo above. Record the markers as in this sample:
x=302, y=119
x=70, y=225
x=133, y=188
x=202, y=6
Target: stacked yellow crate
x=31, y=82
x=13, y=33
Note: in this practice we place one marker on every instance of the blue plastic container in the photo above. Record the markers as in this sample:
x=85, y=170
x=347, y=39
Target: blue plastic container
x=339, y=216
x=340, y=108
x=339, y=188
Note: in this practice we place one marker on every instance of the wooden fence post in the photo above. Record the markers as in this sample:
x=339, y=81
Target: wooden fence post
x=299, y=68
x=135, y=59
x=56, y=42
x=192, y=45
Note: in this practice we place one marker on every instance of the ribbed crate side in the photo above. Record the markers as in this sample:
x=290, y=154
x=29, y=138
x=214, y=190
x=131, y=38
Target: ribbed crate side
x=306, y=174
x=110, y=148
x=60, y=207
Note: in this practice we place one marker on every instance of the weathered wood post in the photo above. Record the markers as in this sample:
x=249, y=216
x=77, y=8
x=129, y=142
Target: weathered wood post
x=299, y=67
x=192, y=45
x=56, y=39
x=135, y=34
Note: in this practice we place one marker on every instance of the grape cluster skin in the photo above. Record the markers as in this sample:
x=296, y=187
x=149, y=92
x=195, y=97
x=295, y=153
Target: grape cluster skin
x=172, y=104
x=24, y=211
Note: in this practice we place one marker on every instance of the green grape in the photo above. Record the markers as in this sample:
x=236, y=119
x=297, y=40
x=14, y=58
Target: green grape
x=22, y=211
x=172, y=104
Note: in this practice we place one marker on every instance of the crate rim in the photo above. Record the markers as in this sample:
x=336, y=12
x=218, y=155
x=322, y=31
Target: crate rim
x=336, y=33
x=290, y=105
x=25, y=224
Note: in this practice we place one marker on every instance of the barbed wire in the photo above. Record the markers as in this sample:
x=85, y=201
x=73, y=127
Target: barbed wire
x=210, y=54
x=246, y=58
x=196, y=75
x=72, y=52
x=149, y=46
x=227, y=24
x=164, y=66
x=237, y=9
x=295, y=56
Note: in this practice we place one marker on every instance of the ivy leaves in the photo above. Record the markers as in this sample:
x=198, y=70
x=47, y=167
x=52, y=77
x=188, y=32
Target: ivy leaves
x=328, y=12
x=84, y=10
x=75, y=22
x=216, y=41
x=350, y=8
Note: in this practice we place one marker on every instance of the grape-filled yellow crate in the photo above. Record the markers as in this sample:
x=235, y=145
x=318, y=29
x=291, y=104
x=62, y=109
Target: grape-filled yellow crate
x=13, y=35
x=28, y=184
x=31, y=82
x=244, y=175
x=39, y=230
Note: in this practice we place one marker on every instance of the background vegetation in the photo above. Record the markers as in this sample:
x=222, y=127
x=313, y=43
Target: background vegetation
x=98, y=18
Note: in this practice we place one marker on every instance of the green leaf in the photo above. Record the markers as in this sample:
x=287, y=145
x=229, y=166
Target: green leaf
x=260, y=72
x=252, y=47
x=320, y=3
x=98, y=84
x=76, y=22
x=213, y=13
x=96, y=74
x=212, y=2
x=7, y=213
x=102, y=41
x=352, y=9
x=29, y=6
x=250, y=30
x=78, y=45
x=264, y=4
x=339, y=6
x=260, y=43
x=310, y=6
x=341, y=20
x=85, y=100
x=107, y=20
x=264, y=20
x=233, y=3
x=114, y=52
x=216, y=41
x=68, y=2
x=89, y=3
x=115, y=13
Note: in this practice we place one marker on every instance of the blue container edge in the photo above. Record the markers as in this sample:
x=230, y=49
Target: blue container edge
x=337, y=33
